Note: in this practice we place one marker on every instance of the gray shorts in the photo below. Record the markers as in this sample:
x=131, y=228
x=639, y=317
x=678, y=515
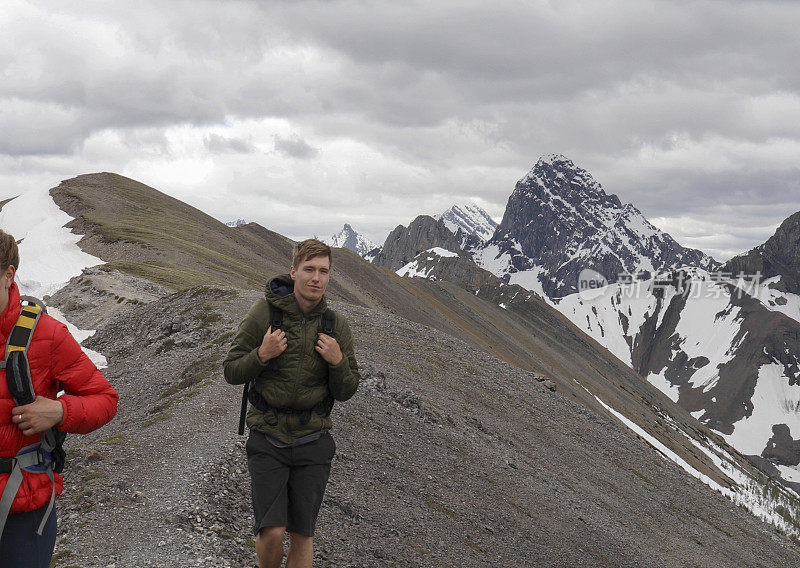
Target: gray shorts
x=288, y=484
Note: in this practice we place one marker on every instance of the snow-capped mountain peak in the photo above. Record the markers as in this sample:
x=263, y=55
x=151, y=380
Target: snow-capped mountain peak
x=471, y=219
x=559, y=221
x=350, y=239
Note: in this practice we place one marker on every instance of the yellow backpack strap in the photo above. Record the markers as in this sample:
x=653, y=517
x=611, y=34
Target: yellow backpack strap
x=22, y=333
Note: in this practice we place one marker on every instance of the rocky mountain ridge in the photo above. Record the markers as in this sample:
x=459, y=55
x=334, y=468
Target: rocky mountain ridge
x=543, y=462
x=779, y=256
x=559, y=221
x=423, y=233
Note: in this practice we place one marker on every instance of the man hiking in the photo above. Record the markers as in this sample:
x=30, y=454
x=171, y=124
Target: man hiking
x=297, y=357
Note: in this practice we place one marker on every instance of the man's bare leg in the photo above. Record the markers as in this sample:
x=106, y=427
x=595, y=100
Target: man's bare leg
x=301, y=551
x=269, y=547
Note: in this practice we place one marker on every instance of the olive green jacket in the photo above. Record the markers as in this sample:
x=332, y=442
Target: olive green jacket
x=302, y=378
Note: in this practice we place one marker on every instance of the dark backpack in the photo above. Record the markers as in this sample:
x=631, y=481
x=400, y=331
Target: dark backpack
x=250, y=395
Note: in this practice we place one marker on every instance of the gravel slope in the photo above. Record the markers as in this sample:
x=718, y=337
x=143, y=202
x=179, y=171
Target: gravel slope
x=446, y=457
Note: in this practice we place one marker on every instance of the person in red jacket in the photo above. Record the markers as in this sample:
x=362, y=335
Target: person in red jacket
x=89, y=401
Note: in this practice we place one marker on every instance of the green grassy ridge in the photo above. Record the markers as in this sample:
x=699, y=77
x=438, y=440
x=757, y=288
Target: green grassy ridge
x=197, y=248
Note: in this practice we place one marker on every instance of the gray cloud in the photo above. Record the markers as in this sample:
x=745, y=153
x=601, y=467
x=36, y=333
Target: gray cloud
x=442, y=100
x=408, y=66
x=218, y=144
x=295, y=147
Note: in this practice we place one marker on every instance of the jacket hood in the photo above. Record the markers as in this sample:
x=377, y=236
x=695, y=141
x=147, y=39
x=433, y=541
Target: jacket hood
x=279, y=292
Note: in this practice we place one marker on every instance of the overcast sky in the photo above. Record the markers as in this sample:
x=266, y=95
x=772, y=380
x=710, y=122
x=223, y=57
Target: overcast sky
x=305, y=115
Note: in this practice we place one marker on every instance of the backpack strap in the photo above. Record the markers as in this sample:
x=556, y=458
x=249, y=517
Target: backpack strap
x=21, y=334
x=275, y=322
x=34, y=459
x=275, y=317
x=328, y=327
x=325, y=407
x=329, y=323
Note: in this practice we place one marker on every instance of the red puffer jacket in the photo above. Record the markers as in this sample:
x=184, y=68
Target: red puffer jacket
x=57, y=363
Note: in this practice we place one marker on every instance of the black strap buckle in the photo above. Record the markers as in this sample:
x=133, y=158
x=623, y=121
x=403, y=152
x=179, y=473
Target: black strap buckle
x=7, y=465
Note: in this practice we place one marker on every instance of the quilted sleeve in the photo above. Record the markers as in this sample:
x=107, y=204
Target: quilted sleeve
x=242, y=363
x=343, y=378
x=89, y=400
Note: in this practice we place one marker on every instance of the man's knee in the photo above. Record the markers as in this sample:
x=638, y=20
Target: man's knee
x=271, y=536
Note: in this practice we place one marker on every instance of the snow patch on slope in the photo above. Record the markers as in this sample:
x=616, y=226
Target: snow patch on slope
x=708, y=327
x=80, y=336
x=659, y=381
x=664, y=450
x=491, y=259
x=49, y=254
x=529, y=279
x=775, y=300
x=774, y=402
x=415, y=268
x=789, y=473
x=604, y=317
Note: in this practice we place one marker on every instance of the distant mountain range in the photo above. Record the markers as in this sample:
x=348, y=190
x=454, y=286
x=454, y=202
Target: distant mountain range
x=470, y=225
x=725, y=348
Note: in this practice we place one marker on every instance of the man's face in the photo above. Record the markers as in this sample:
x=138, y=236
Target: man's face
x=311, y=277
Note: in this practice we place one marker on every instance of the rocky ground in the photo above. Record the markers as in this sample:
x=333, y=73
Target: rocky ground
x=446, y=457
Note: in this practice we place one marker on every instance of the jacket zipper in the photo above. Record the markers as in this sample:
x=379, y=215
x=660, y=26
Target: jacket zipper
x=300, y=362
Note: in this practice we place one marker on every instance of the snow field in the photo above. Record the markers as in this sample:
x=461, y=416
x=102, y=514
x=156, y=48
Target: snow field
x=776, y=301
x=490, y=259
x=48, y=252
x=529, y=279
x=80, y=336
x=600, y=316
x=704, y=334
x=774, y=402
x=708, y=327
x=49, y=255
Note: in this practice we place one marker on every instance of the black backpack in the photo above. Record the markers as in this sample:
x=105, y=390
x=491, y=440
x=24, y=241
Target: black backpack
x=253, y=397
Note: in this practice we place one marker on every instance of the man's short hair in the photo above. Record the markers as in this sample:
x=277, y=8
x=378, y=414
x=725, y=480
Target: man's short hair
x=308, y=249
